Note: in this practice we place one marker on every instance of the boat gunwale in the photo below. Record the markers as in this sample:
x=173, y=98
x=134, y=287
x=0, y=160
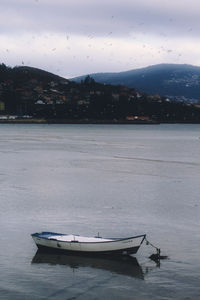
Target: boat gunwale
x=72, y=241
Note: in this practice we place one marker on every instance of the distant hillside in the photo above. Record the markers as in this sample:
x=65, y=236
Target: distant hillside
x=40, y=74
x=28, y=93
x=178, y=82
x=25, y=73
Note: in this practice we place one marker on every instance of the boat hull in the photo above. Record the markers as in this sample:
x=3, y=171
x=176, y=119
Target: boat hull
x=125, y=251
x=123, y=246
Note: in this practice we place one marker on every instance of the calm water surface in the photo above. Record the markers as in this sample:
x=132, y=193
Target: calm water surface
x=116, y=180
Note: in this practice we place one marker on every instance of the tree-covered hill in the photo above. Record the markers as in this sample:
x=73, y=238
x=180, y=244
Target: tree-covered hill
x=27, y=91
x=25, y=73
x=175, y=81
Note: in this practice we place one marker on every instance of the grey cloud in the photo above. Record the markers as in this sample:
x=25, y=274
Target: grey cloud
x=101, y=17
x=28, y=29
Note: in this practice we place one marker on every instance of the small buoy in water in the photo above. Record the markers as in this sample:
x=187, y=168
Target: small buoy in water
x=157, y=256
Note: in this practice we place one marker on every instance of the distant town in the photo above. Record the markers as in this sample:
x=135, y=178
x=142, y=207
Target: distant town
x=33, y=95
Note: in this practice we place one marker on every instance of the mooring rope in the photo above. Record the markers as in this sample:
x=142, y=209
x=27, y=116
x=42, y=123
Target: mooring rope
x=156, y=257
x=148, y=243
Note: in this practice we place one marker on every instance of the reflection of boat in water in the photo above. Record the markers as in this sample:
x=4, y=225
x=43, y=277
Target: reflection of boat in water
x=122, y=265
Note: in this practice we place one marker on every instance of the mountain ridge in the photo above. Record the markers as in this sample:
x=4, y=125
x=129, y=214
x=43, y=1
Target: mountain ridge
x=28, y=92
x=175, y=81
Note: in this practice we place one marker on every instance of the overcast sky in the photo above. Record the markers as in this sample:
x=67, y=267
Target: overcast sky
x=75, y=37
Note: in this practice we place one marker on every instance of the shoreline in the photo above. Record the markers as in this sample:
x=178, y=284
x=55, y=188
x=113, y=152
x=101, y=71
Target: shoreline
x=66, y=121
x=100, y=122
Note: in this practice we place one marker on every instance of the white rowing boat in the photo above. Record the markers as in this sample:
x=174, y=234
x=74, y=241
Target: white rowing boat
x=88, y=245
